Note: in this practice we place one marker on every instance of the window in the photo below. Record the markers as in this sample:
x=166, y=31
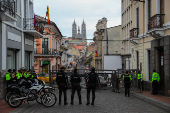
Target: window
x=27, y=60
x=149, y=8
x=161, y=6
x=11, y=59
x=137, y=16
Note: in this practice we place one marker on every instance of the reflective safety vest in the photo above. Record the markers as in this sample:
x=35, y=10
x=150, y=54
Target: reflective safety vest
x=8, y=76
x=128, y=76
x=140, y=76
x=26, y=75
x=18, y=75
x=33, y=77
x=155, y=76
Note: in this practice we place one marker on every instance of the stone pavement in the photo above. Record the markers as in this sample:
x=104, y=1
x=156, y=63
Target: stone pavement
x=159, y=100
x=106, y=102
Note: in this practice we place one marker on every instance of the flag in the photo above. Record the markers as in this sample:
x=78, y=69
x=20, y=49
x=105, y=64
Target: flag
x=34, y=20
x=48, y=15
x=96, y=52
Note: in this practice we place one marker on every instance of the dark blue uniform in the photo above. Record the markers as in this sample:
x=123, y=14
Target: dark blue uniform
x=62, y=82
x=75, y=81
x=92, y=80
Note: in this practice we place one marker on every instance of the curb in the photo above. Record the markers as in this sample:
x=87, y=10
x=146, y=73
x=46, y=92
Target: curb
x=162, y=105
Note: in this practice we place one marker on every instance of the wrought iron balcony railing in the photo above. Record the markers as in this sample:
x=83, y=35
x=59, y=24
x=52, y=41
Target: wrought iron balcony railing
x=156, y=21
x=29, y=24
x=8, y=6
x=134, y=33
x=47, y=51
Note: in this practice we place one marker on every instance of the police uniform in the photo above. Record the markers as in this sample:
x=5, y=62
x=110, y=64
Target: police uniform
x=140, y=78
x=62, y=82
x=8, y=78
x=127, y=80
x=75, y=81
x=91, y=81
x=155, y=80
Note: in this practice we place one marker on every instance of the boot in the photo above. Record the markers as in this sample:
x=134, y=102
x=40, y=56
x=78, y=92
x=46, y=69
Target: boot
x=72, y=100
x=88, y=99
x=93, y=101
x=80, y=100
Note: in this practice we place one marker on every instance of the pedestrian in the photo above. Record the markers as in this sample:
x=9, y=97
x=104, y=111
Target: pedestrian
x=127, y=81
x=75, y=81
x=62, y=82
x=155, y=81
x=117, y=83
x=8, y=77
x=92, y=80
x=140, y=78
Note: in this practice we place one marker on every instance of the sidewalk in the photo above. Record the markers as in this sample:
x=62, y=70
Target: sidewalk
x=4, y=107
x=157, y=100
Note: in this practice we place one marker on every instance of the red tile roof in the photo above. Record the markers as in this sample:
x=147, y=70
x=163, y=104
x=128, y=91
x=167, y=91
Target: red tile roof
x=79, y=47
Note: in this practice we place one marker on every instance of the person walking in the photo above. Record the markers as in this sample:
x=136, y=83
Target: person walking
x=127, y=81
x=155, y=81
x=75, y=81
x=62, y=82
x=91, y=81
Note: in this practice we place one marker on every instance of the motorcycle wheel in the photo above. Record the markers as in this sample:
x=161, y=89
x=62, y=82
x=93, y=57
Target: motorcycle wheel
x=7, y=95
x=38, y=99
x=48, y=99
x=14, y=103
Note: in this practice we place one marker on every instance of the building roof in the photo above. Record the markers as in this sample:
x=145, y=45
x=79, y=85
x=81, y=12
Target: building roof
x=40, y=19
x=79, y=47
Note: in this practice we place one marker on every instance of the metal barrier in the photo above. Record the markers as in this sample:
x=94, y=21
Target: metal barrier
x=115, y=78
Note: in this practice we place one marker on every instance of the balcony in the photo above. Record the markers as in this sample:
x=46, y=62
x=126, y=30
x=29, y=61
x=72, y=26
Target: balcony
x=134, y=35
x=7, y=10
x=32, y=28
x=155, y=26
x=47, y=52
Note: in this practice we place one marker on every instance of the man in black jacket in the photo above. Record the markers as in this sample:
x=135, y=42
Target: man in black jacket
x=75, y=81
x=91, y=81
x=62, y=82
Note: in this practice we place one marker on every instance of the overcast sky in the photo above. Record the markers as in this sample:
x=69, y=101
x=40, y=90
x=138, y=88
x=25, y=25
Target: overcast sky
x=63, y=12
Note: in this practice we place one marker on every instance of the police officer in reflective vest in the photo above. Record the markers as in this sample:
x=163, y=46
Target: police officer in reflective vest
x=75, y=81
x=127, y=81
x=91, y=82
x=8, y=77
x=155, y=81
x=140, y=78
x=62, y=82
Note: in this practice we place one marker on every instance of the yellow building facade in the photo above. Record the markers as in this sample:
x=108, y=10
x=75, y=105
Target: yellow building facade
x=126, y=12
x=150, y=41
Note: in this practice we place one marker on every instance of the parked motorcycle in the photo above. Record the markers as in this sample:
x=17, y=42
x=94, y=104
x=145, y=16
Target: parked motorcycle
x=35, y=92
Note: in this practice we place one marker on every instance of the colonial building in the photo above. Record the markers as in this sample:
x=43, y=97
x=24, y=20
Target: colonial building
x=17, y=34
x=126, y=12
x=47, y=52
x=150, y=38
x=99, y=35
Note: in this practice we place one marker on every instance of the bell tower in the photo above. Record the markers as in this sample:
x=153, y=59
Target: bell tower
x=83, y=29
x=74, y=29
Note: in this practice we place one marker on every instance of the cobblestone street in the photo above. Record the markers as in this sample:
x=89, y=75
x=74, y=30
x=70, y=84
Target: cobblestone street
x=106, y=102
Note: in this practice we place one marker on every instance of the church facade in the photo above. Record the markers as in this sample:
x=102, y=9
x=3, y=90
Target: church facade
x=79, y=35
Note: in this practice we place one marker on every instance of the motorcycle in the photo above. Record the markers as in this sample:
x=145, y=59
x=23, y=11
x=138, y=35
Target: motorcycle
x=48, y=99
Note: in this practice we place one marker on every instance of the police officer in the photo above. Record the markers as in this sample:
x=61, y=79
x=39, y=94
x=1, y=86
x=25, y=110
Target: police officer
x=8, y=77
x=91, y=81
x=75, y=81
x=155, y=81
x=18, y=75
x=140, y=78
x=13, y=77
x=127, y=81
x=62, y=82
